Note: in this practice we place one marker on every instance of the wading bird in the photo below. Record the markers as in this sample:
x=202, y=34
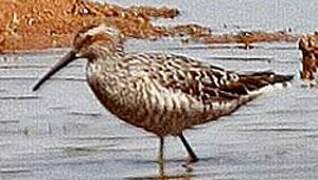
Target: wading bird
x=161, y=93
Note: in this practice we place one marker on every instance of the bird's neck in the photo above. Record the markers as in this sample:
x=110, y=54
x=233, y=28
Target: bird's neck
x=106, y=53
x=106, y=60
x=105, y=64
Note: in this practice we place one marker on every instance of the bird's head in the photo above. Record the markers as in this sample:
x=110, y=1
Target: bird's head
x=91, y=43
x=95, y=41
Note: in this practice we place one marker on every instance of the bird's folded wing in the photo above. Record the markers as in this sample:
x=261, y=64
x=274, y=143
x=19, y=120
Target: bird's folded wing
x=200, y=80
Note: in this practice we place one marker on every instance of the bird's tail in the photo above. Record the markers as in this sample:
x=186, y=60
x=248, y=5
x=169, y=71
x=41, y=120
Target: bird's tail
x=255, y=83
x=246, y=88
x=259, y=80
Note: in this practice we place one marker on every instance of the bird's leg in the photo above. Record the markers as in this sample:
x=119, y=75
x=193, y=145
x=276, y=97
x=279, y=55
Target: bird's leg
x=160, y=159
x=161, y=149
x=193, y=157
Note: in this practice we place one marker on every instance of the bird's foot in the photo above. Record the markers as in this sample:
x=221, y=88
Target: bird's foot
x=193, y=160
x=189, y=162
x=160, y=161
x=188, y=167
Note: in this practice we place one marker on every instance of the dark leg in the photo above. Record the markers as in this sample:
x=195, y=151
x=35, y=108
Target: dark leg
x=193, y=157
x=160, y=159
x=161, y=149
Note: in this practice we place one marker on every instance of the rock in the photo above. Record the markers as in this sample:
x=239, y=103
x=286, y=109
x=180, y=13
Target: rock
x=308, y=45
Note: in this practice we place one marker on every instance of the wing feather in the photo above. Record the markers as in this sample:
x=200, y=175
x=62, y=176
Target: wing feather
x=201, y=80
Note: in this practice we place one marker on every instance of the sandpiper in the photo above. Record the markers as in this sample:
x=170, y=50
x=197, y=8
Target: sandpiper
x=162, y=93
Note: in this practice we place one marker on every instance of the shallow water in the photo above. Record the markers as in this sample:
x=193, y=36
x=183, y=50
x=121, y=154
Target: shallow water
x=62, y=132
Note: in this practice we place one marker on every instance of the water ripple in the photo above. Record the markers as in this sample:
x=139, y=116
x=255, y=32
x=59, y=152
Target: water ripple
x=9, y=121
x=32, y=66
x=19, y=97
x=36, y=78
x=14, y=170
x=280, y=130
x=93, y=114
x=231, y=58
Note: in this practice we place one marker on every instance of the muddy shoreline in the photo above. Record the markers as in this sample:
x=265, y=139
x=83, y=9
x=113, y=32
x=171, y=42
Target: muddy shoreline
x=42, y=24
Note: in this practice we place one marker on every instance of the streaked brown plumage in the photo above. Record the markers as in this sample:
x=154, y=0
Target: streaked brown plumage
x=161, y=93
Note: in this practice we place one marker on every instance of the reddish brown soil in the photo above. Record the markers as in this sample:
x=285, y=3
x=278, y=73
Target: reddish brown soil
x=309, y=47
x=42, y=24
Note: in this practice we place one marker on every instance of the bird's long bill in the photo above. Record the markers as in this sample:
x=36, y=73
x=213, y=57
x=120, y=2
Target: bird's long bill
x=68, y=58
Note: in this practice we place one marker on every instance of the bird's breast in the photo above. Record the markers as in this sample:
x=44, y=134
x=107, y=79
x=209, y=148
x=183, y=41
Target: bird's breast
x=140, y=102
